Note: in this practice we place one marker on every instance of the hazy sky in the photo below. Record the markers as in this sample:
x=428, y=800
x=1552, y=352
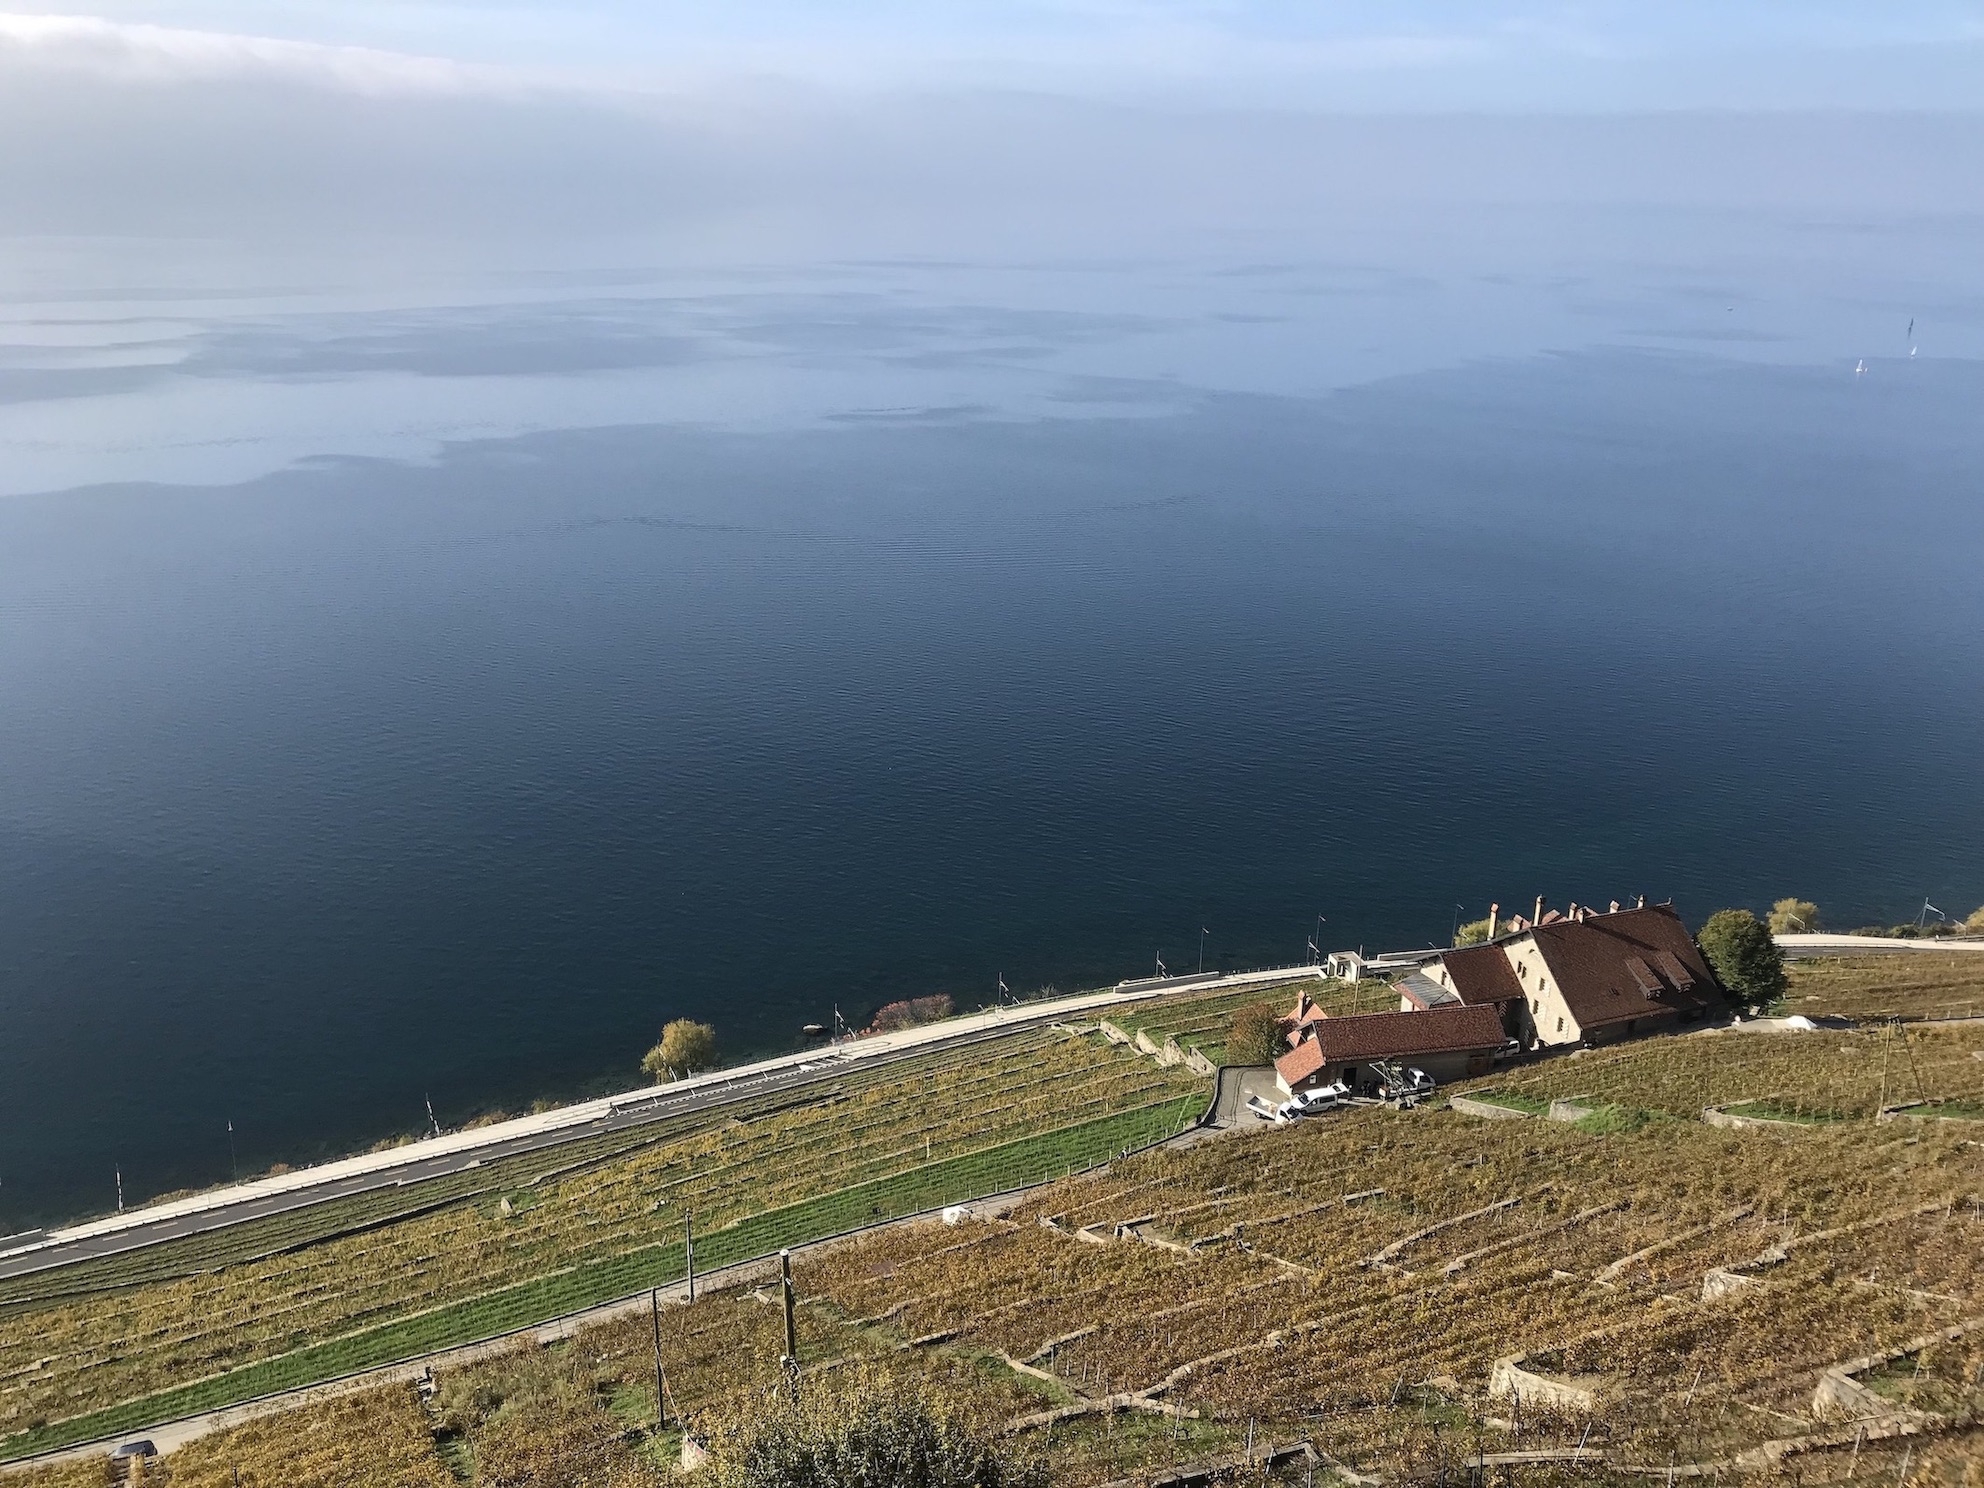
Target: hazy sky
x=920, y=125
x=1417, y=54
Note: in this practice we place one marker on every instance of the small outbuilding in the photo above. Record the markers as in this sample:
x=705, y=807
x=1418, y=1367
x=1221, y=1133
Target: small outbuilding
x=1449, y=1042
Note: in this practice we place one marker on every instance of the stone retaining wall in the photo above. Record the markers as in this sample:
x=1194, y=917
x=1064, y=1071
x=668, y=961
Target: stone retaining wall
x=1510, y=1381
x=1716, y=1116
x=1487, y=1110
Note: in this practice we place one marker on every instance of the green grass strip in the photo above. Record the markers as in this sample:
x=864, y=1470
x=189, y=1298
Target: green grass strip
x=1030, y=1160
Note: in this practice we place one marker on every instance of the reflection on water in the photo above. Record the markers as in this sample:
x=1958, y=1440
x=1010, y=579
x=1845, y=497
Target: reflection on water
x=130, y=365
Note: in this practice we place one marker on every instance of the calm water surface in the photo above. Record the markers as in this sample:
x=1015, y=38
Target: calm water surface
x=742, y=653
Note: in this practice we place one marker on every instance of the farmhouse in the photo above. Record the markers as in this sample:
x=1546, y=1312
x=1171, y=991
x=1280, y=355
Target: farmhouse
x=1583, y=976
x=1448, y=1042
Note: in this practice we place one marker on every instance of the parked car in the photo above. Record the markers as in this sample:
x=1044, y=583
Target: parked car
x=140, y=1448
x=1312, y=1102
x=1261, y=1107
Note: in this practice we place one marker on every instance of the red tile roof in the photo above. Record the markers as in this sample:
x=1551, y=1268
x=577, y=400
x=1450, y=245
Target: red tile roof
x=1367, y=1036
x=1633, y=964
x=1482, y=974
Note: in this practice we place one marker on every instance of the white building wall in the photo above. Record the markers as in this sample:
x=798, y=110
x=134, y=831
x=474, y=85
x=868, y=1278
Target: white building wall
x=1547, y=1018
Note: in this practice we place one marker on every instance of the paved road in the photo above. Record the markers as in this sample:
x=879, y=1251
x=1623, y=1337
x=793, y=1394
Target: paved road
x=464, y=1151
x=1867, y=945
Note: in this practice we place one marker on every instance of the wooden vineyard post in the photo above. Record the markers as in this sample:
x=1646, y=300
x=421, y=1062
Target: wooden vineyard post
x=791, y=1360
x=689, y=1249
x=660, y=1383
x=1882, y=1104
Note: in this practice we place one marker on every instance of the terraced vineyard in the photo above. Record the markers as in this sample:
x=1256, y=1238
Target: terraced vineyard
x=1425, y=1296
x=1359, y=1277
x=1913, y=984
x=1826, y=1075
x=1354, y=1281
x=926, y=1132
x=1202, y=1022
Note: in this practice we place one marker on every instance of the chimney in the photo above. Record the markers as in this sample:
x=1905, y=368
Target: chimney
x=1538, y=919
x=1641, y=902
x=1494, y=913
x=1573, y=913
x=1615, y=907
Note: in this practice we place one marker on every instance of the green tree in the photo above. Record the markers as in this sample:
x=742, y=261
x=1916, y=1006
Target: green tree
x=1474, y=932
x=1255, y=1037
x=686, y=1046
x=864, y=1431
x=1794, y=916
x=1746, y=960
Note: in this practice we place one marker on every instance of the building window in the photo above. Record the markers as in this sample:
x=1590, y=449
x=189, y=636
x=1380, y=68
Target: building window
x=1560, y=1025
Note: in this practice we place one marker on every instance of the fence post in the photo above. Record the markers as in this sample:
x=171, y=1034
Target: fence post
x=660, y=1383
x=791, y=1332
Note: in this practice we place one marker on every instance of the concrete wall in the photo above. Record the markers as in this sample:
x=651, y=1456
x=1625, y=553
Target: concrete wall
x=1486, y=1110
x=1716, y=1116
x=1510, y=1381
x=1158, y=984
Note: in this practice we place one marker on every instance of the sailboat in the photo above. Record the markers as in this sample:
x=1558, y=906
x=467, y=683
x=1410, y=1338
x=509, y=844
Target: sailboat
x=1860, y=368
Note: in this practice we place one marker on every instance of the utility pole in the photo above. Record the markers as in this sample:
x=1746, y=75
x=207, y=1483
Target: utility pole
x=1459, y=910
x=1203, y=933
x=660, y=1381
x=233, y=1164
x=430, y=1114
x=120, y=1188
x=689, y=1249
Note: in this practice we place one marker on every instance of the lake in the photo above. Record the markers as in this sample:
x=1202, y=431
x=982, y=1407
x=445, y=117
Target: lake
x=426, y=694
